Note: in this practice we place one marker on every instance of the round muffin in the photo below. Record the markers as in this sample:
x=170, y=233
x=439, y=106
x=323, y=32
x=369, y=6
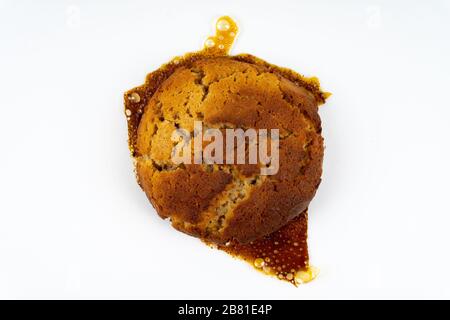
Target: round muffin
x=224, y=202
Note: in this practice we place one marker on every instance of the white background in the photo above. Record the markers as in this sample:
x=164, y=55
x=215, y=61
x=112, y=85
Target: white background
x=73, y=221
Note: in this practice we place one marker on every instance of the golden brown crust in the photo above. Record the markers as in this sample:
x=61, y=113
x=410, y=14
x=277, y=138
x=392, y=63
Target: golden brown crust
x=224, y=202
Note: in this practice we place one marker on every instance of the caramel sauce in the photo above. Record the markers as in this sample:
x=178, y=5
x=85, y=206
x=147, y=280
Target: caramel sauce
x=284, y=253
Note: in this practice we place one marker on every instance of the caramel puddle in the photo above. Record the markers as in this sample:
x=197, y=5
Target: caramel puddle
x=284, y=253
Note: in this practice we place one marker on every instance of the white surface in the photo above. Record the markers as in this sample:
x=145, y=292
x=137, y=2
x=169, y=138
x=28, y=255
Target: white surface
x=73, y=221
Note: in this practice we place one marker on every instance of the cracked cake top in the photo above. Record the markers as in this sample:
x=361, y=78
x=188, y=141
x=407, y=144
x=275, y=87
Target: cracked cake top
x=222, y=202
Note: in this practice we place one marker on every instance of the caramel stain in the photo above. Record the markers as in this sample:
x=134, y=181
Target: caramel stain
x=283, y=254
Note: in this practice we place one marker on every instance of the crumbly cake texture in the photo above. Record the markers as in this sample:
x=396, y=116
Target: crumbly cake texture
x=226, y=203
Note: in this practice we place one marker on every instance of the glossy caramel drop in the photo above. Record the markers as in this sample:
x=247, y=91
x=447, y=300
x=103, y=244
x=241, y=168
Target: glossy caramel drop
x=222, y=41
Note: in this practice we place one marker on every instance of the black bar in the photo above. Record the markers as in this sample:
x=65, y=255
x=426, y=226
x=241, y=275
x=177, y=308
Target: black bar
x=224, y=309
